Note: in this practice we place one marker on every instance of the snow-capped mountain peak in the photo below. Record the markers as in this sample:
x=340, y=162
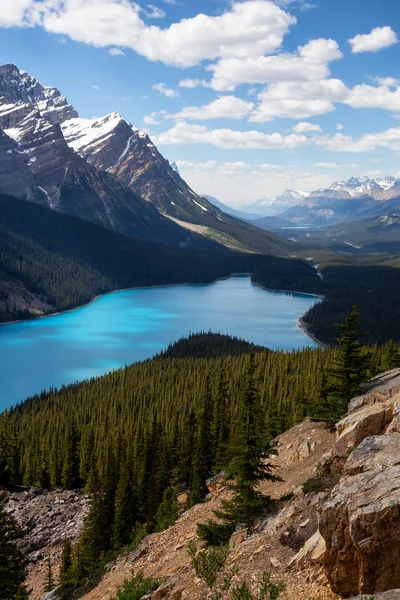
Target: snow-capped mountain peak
x=359, y=186
x=18, y=87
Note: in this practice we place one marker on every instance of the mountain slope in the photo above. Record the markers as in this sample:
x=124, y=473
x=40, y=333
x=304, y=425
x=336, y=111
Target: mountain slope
x=239, y=214
x=104, y=170
x=112, y=144
x=37, y=164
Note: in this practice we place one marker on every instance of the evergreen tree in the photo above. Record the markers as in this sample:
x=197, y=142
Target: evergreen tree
x=66, y=563
x=348, y=371
x=248, y=467
x=70, y=472
x=167, y=512
x=391, y=356
x=126, y=506
x=9, y=451
x=12, y=561
x=49, y=576
x=220, y=428
x=203, y=458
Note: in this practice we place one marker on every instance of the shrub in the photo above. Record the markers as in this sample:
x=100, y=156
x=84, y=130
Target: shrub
x=137, y=587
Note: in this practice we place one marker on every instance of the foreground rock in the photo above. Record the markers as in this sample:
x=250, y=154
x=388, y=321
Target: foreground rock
x=359, y=525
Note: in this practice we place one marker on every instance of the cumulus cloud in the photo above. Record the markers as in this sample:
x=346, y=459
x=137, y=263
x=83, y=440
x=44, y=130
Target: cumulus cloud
x=380, y=37
x=249, y=28
x=388, y=81
x=187, y=133
x=366, y=143
x=193, y=83
x=339, y=126
x=226, y=107
x=166, y=91
x=310, y=62
x=116, y=52
x=298, y=100
x=368, y=96
x=150, y=120
x=304, y=127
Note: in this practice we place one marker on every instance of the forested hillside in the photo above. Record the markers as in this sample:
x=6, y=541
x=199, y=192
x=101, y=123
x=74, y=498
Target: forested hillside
x=70, y=260
x=135, y=437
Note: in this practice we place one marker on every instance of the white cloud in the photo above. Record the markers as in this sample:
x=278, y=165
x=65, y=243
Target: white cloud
x=193, y=83
x=202, y=166
x=304, y=127
x=154, y=12
x=116, y=52
x=226, y=107
x=310, y=62
x=95, y=86
x=380, y=37
x=334, y=165
x=186, y=133
x=368, y=96
x=249, y=28
x=149, y=120
x=163, y=89
x=388, y=81
x=293, y=100
x=366, y=143
x=339, y=126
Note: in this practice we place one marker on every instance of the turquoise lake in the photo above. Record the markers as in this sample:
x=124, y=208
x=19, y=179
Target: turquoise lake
x=123, y=327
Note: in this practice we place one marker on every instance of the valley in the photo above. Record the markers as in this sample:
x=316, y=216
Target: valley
x=199, y=399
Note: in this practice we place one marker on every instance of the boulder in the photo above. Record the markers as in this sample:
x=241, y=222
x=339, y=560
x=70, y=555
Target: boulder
x=216, y=484
x=360, y=523
x=313, y=552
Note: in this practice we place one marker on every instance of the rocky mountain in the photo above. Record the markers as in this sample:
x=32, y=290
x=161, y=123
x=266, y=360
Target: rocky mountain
x=106, y=171
x=273, y=206
x=380, y=188
x=18, y=87
x=36, y=163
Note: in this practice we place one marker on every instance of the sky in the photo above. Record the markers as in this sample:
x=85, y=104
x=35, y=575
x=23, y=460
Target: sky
x=247, y=97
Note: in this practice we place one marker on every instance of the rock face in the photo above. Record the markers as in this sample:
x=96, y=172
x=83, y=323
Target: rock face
x=114, y=145
x=16, y=178
x=17, y=86
x=360, y=522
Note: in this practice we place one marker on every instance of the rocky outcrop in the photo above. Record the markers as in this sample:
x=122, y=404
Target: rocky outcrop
x=47, y=518
x=360, y=523
x=391, y=595
x=17, y=86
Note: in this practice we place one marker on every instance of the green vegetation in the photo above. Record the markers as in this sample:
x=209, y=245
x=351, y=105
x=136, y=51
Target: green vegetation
x=69, y=260
x=247, y=468
x=209, y=566
x=137, y=435
x=12, y=561
x=348, y=370
x=137, y=587
x=374, y=289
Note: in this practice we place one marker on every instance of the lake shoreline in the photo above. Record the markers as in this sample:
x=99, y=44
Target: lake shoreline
x=301, y=324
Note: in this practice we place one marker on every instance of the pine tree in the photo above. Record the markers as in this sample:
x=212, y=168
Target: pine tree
x=66, y=563
x=9, y=451
x=203, y=459
x=248, y=467
x=126, y=506
x=70, y=473
x=220, y=427
x=12, y=561
x=167, y=512
x=49, y=576
x=348, y=371
x=391, y=356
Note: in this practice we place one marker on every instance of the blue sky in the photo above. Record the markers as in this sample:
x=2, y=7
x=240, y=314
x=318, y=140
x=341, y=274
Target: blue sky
x=247, y=97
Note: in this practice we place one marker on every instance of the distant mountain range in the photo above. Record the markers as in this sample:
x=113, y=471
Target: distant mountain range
x=357, y=198
x=106, y=171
